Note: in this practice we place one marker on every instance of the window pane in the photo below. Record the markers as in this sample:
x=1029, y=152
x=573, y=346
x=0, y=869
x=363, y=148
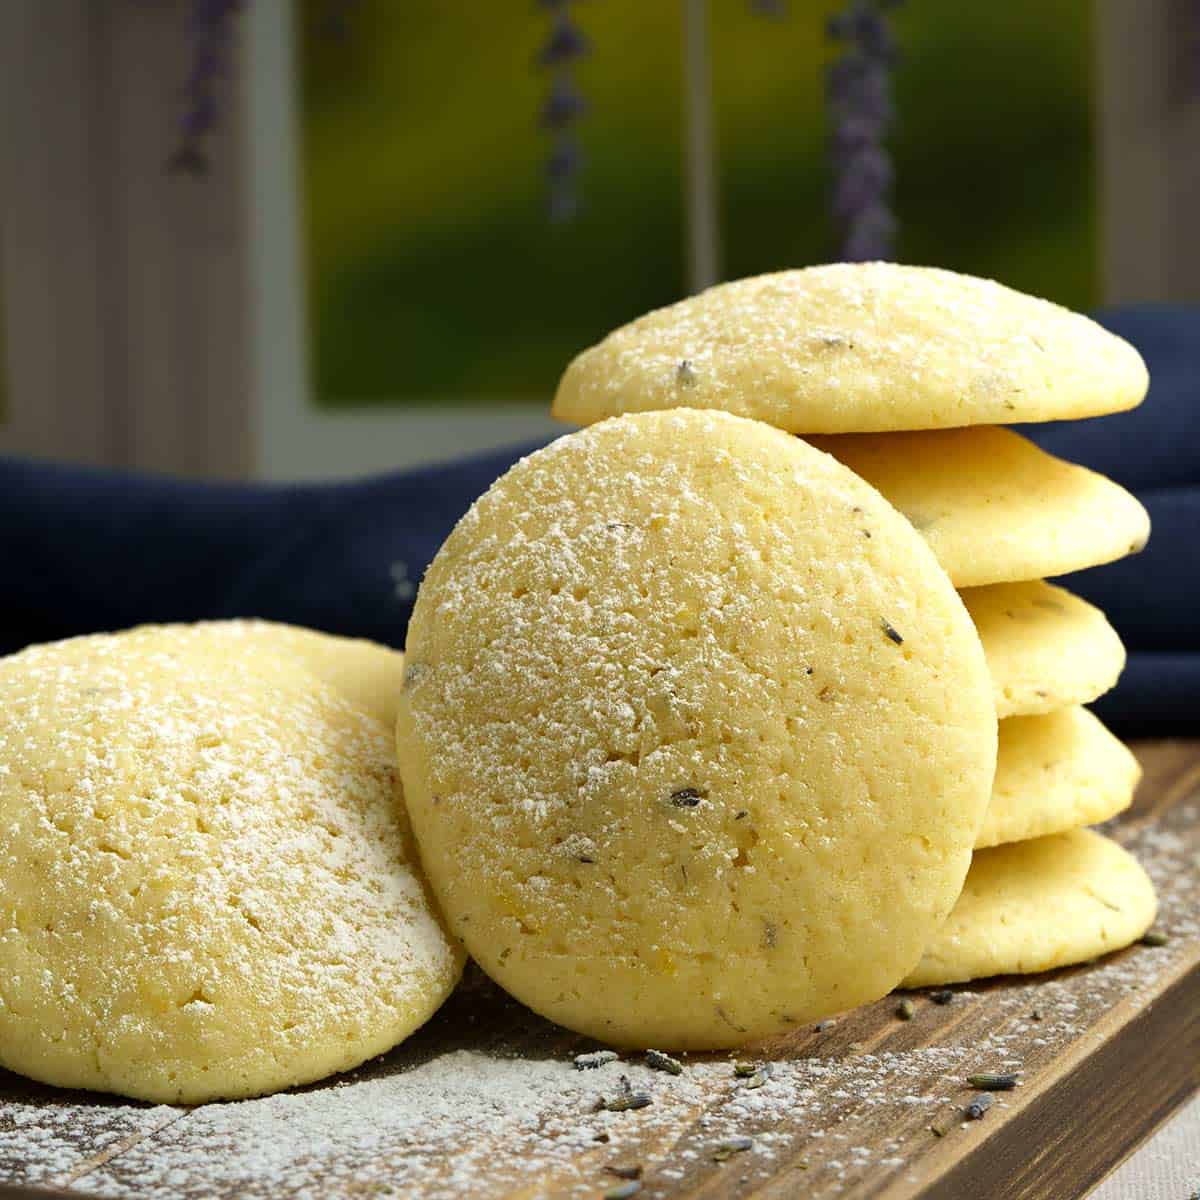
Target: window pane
x=435, y=276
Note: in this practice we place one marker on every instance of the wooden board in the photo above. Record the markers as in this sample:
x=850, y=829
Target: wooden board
x=484, y=1100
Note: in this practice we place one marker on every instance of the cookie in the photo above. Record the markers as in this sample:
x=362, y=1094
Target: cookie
x=858, y=348
x=209, y=887
x=365, y=673
x=1056, y=772
x=1033, y=906
x=696, y=736
x=995, y=508
x=1045, y=647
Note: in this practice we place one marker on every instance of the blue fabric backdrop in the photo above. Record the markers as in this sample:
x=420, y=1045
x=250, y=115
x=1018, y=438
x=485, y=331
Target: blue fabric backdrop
x=87, y=550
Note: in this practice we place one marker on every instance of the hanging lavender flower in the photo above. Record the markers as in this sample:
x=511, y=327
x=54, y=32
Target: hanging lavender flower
x=210, y=30
x=858, y=92
x=563, y=48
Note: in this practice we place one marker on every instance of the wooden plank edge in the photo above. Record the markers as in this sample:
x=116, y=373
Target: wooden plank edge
x=1066, y=1136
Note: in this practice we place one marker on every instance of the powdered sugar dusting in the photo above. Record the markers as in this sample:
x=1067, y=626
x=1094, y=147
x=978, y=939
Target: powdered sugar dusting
x=852, y=347
x=485, y=1100
x=655, y=625
x=184, y=800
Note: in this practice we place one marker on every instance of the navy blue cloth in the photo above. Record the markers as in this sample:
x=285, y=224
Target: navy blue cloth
x=86, y=550
x=1154, y=450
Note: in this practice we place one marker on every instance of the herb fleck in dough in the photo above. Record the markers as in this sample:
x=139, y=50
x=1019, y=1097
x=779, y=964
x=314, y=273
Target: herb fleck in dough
x=207, y=882
x=665, y=639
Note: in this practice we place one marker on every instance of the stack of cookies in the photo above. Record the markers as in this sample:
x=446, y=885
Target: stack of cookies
x=906, y=375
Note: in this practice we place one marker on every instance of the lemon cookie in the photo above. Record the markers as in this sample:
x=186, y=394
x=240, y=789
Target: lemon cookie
x=1045, y=647
x=365, y=673
x=1033, y=906
x=857, y=348
x=696, y=736
x=209, y=886
x=994, y=507
x=1056, y=772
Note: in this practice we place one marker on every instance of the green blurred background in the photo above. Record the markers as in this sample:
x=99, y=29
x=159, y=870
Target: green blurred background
x=434, y=275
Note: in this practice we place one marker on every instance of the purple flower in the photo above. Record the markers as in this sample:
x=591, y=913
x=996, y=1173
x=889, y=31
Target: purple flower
x=210, y=30
x=562, y=106
x=858, y=94
x=564, y=46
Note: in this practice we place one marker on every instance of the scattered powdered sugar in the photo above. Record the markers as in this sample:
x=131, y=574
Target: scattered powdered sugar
x=486, y=1099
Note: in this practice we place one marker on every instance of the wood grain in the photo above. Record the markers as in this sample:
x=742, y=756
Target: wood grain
x=1106, y=1052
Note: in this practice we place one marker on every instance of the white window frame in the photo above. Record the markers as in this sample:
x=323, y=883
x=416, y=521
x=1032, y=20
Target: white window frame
x=295, y=438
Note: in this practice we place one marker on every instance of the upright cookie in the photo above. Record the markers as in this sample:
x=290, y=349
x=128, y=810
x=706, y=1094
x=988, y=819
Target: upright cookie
x=1045, y=647
x=1056, y=772
x=696, y=736
x=209, y=885
x=994, y=507
x=1033, y=906
x=858, y=348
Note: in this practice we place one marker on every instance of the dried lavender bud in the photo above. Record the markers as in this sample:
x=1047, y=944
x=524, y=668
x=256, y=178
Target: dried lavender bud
x=858, y=97
x=1154, y=937
x=626, y=1102
x=632, y=1171
x=942, y=996
x=623, y=1191
x=658, y=1061
x=906, y=1010
x=687, y=797
x=731, y=1146
x=760, y=1077
x=828, y=1023
x=890, y=633
x=685, y=374
x=626, y=1099
x=594, y=1059
x=744, y=1069
x=979, y=1106
x=989, y=1082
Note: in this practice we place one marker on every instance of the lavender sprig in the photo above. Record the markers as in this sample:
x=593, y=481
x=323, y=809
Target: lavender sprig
x=210, y=31
x=858, y=89
x=565, y=45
